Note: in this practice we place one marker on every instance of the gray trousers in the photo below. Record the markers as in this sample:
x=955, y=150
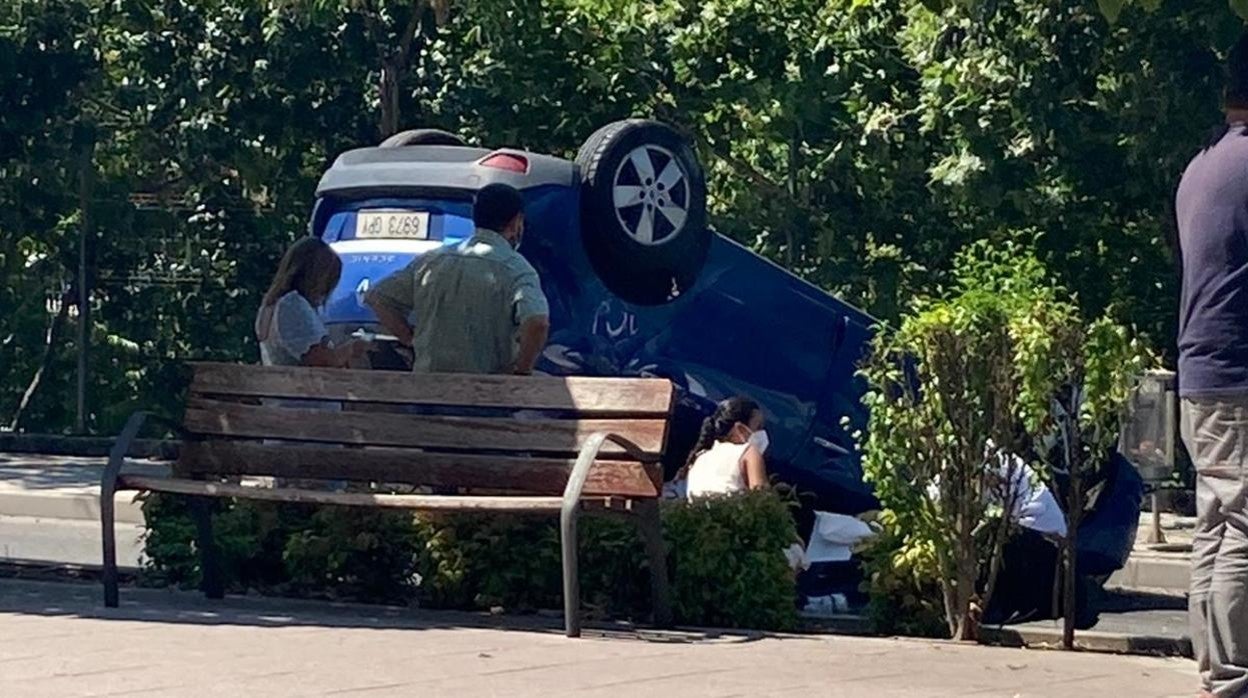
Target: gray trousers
x=1215, y=431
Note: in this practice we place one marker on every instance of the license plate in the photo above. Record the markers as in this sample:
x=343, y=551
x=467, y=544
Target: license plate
x=392, y=225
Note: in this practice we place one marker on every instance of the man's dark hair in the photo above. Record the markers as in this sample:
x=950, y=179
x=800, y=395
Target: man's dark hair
x=496, y=205
x=1237, y=75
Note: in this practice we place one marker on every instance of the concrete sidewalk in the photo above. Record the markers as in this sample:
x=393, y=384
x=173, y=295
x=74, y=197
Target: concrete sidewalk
x=60, y=642
x=1165, y=567
x=68, y=487
x=65, y=487
x=50, y=510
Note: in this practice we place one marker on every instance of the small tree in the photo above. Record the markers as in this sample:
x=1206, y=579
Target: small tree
x=1076, y=379
x=1004, y=361
x=943, y=401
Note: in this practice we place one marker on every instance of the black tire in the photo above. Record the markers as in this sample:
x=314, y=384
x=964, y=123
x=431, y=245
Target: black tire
x=651, y=251
x=422, y=136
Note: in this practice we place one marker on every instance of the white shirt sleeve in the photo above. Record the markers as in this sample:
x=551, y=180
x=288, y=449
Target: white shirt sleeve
x=299, y=326
x=1035, y=507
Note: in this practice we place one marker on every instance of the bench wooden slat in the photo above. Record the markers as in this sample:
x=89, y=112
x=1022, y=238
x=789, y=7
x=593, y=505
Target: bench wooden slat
x=535, y=475
x=588, y=396
x=421, y=431
x=304, y=496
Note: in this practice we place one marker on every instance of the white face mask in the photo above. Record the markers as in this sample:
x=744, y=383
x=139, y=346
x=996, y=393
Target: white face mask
x=759, y=440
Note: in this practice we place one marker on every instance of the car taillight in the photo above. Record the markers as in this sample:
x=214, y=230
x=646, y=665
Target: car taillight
x=507, y=161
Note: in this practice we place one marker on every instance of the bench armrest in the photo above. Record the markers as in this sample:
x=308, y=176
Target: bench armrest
x=585, y=461
x=121, y=447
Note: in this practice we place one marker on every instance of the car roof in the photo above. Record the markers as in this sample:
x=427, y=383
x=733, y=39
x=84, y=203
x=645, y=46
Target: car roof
x=423, y=169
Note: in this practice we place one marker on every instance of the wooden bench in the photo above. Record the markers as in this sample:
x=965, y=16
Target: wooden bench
x=585, y=444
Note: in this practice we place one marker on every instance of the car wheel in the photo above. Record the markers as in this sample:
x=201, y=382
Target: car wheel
x=643, y=210
x=422, y=136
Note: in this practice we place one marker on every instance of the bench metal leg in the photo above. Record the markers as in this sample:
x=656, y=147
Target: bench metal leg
x=211, y=582
x=108, y=492
x=571, y=577
x=567, y=530
x=567, y=522
x=111, y=593
x=651, y=528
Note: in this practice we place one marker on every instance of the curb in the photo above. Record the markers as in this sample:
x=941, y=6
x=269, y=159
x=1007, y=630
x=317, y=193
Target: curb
x=847, y=624
x=61, y=572
x=1153, y=571
x=23, y=578
x=74, y=506
x=1090, y=641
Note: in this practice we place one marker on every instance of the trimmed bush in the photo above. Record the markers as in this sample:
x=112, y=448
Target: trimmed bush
x=725, y=557
x=728, y=566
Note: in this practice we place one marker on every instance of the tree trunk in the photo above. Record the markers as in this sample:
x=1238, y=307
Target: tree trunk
x=962, y=615
x=790, y=241
x=948, y=590
x=969, y=615
x=391, y=73
x=996, y=559
x=86, y=233
x=51, y=339
x=1070, y=579
x=965, y=617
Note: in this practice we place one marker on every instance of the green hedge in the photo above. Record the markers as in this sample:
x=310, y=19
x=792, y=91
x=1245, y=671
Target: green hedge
x=902, y=581
x=725, y=558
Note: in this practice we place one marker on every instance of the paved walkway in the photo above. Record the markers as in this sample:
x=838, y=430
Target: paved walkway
x=64, y=487
x=50, y=510
x=57, y=641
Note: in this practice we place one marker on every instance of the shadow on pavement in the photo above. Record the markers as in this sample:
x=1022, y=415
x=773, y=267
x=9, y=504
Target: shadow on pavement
x=167, y=606
x=1127, y=601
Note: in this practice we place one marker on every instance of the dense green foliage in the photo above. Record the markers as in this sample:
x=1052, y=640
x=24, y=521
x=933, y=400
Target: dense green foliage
x=725, y=557
x=860, y=143
x=361, y=554
x=725, y=568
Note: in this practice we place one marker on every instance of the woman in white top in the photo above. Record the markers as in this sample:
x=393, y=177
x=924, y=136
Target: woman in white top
x=288, y=326
x=728, y=457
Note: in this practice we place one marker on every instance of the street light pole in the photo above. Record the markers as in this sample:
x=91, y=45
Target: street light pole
x=86, y=186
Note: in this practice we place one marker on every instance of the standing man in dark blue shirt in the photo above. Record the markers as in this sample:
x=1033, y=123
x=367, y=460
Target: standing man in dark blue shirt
x=1212, y=208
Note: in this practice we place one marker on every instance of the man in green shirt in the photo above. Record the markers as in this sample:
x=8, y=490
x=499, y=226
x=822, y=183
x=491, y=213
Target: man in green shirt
x=475, y=307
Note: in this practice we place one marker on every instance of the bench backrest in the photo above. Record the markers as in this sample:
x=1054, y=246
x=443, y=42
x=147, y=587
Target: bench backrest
x=502, y=433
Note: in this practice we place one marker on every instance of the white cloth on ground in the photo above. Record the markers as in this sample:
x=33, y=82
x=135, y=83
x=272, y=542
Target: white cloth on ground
x=834, y=536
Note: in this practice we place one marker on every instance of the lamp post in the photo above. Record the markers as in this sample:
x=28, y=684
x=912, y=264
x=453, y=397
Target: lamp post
x=86, y=189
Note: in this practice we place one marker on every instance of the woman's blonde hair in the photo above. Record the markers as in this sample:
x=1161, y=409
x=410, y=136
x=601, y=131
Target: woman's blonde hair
x=311, y=268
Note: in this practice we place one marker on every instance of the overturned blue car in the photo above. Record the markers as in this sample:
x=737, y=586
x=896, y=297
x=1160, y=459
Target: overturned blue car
x=639, y=285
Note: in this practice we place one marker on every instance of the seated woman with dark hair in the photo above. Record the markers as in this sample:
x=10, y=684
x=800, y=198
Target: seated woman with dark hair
x=728, y=457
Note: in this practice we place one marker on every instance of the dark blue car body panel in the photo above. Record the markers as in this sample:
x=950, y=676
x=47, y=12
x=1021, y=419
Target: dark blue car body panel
x=746, y=327
x=1107, y=533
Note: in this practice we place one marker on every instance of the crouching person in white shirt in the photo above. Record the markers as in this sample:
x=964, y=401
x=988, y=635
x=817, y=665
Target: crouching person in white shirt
x=1030, y=570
